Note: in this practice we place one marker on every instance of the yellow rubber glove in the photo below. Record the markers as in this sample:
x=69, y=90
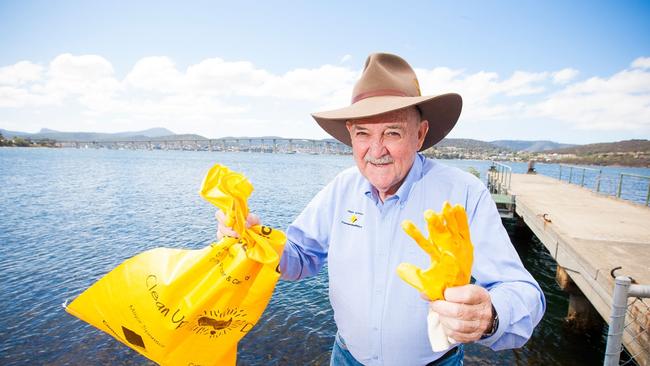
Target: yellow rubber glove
x=451, y=252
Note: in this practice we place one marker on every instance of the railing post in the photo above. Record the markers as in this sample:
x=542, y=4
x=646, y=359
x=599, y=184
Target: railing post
x=509, y=180
x=502, y=178
x=560, y=172
x=600, y=172
x=617, y=321
x=582, y=181
x=620, y=186
x=647, y=197
x=570, y=174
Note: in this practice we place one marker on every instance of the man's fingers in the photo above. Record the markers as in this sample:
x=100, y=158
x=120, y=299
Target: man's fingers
x=459, y=326
x=449, y=309
x=222, y=229
x=459, y=310
x=466, y=310
x=225, y=231
x=462, y=322
x=252, y=220
x=467, y=294
x=461, y=331
x=220, y=216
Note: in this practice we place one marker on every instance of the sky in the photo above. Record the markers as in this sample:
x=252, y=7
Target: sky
x=565, y=71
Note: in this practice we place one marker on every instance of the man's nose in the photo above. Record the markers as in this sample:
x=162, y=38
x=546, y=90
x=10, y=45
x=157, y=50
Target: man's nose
x=377, y=148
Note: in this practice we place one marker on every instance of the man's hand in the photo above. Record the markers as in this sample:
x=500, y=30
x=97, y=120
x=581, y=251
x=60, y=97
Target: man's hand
x=223, y=230
x=466, y=312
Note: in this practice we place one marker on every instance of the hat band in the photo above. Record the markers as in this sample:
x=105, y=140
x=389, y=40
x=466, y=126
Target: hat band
x=379, y=93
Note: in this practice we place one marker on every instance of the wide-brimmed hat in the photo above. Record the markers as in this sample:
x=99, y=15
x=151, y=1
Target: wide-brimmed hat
x=388, y=83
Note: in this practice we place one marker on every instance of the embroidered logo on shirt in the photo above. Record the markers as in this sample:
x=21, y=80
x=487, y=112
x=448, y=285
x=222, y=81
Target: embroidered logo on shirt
x=353, y=218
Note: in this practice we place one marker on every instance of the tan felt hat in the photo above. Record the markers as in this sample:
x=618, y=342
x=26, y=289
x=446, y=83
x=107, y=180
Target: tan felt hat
x=388, y=83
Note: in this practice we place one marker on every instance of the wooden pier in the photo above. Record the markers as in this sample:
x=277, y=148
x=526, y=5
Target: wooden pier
x=590, y=235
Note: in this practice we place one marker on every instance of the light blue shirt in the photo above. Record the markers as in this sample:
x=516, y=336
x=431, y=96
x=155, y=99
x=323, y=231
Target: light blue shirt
x=381, y=318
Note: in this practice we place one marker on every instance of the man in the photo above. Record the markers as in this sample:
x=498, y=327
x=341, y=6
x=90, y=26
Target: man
x=353, y=224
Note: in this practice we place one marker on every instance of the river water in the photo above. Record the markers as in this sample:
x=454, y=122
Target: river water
x=69, y=216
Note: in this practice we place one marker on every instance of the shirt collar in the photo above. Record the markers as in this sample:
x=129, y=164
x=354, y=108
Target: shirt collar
x=402, y=194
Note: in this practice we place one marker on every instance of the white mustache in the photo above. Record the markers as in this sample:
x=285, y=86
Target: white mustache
x=386, y=159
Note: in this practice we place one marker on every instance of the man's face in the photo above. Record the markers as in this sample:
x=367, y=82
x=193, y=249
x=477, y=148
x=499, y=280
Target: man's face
x=384, y=147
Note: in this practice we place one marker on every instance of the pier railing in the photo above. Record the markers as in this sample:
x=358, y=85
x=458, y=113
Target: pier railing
x=636, y=329
x=499, y=178
x=619, y=188
x=576, y=175
x=580, y=172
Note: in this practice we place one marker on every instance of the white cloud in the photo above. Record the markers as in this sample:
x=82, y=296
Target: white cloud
x=523, y=83
x=87, y=77
x=20, y=73
x=619, y=102
x=641, y=63
x=217, y=97
x=564, y=76
x=345, y=59
x=155, y=74
x=218, y=77
x=318, y=85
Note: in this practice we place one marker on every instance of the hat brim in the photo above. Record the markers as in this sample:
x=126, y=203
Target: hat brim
x=442, y=112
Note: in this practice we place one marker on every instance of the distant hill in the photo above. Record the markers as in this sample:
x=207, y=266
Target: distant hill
x=46, y=133
x=530, y=146
x=626, y=153
x=174, y=137
x=609, y=147
x=10, y=134
x=470, y=144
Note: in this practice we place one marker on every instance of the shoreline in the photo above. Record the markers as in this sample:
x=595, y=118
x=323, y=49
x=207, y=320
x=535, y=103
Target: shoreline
x=572, y=161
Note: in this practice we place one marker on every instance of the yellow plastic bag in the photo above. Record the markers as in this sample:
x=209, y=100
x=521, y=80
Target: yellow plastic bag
x=451, y=252
x=191, y=307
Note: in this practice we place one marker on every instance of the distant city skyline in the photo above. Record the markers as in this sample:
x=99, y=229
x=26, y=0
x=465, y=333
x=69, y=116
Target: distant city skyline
x=575, y=72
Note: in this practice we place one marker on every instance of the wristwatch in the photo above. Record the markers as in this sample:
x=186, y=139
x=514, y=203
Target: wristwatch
x=495, y=324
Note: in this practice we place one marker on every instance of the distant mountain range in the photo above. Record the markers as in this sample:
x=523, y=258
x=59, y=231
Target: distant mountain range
x=640, y=146
x=624, y=153
x=470, y=144
x=46, y=133
x=530, y=146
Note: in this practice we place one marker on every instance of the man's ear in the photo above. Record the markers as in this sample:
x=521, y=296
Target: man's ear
x=422, y=132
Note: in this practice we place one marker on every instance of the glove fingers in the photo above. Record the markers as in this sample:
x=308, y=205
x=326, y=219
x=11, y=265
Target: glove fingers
x=461, y=221
x=409, y=227
x=450, y=218
x=435, y=225
x=411, y=274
